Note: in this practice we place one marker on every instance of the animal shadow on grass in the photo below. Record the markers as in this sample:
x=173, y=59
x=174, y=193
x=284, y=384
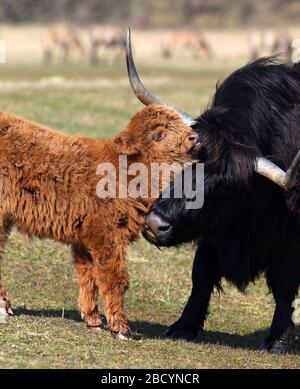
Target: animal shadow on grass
x=150, y=330
x=140, y=329
x=70, y=314
x=252, y=341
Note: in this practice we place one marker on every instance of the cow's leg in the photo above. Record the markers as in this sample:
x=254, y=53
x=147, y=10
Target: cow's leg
x=5, y=306
x=88, y=294
x=112, y=281
x=281, y=336
x=205, y=276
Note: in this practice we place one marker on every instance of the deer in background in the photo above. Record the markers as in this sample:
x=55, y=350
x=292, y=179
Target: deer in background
x=105, y=40
x=187, y=41
x=63, y=40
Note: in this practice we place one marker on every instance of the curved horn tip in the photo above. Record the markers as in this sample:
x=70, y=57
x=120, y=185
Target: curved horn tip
x=141, y=92
x=128, y=36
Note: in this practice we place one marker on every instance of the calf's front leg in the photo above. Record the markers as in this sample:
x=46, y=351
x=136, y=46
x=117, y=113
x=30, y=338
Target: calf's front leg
x=112, y=281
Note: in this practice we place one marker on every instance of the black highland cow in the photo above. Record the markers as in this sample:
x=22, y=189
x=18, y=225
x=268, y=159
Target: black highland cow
x=248, y=224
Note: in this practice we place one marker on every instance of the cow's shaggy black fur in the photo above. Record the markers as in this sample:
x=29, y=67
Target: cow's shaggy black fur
x=247, y=225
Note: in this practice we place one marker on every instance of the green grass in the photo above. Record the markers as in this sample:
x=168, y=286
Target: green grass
x=46, y=330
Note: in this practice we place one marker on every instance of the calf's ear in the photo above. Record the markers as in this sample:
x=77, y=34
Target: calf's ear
x=125, y=144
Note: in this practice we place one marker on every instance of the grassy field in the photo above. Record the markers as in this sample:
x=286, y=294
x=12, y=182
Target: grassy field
x=46, y=330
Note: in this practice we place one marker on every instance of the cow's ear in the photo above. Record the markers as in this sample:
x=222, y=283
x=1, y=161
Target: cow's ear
x=124, y=143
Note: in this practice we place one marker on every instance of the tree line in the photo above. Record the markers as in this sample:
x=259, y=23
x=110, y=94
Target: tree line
x=150, y=13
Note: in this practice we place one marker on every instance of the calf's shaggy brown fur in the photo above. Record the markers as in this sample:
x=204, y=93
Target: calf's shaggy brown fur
x=48, y=189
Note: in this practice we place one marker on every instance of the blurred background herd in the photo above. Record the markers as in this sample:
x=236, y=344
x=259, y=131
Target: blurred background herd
x=92, y=31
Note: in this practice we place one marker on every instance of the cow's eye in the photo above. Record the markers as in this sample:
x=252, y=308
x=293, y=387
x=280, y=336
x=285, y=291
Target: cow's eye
x=158, y=137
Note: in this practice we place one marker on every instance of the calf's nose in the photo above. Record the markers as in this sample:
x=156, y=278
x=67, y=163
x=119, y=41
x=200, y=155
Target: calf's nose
x=191, y=140
x=156, y=224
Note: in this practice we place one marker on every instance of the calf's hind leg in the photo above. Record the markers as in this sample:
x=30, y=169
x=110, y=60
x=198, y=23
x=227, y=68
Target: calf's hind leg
x=88, y=295
x=5, y=306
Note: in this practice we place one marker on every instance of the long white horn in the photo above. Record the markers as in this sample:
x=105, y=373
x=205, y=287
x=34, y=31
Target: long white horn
x=286, y=180
x=139, y=89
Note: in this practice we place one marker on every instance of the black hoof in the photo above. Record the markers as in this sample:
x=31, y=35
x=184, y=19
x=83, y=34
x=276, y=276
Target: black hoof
x=282, y=345
x=180, y=333
x=279, y=348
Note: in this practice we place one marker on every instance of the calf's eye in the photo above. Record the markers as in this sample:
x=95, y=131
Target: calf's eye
x=158, y=137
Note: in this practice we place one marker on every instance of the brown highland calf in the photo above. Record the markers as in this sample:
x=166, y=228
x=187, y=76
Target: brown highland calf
x=48, y=189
